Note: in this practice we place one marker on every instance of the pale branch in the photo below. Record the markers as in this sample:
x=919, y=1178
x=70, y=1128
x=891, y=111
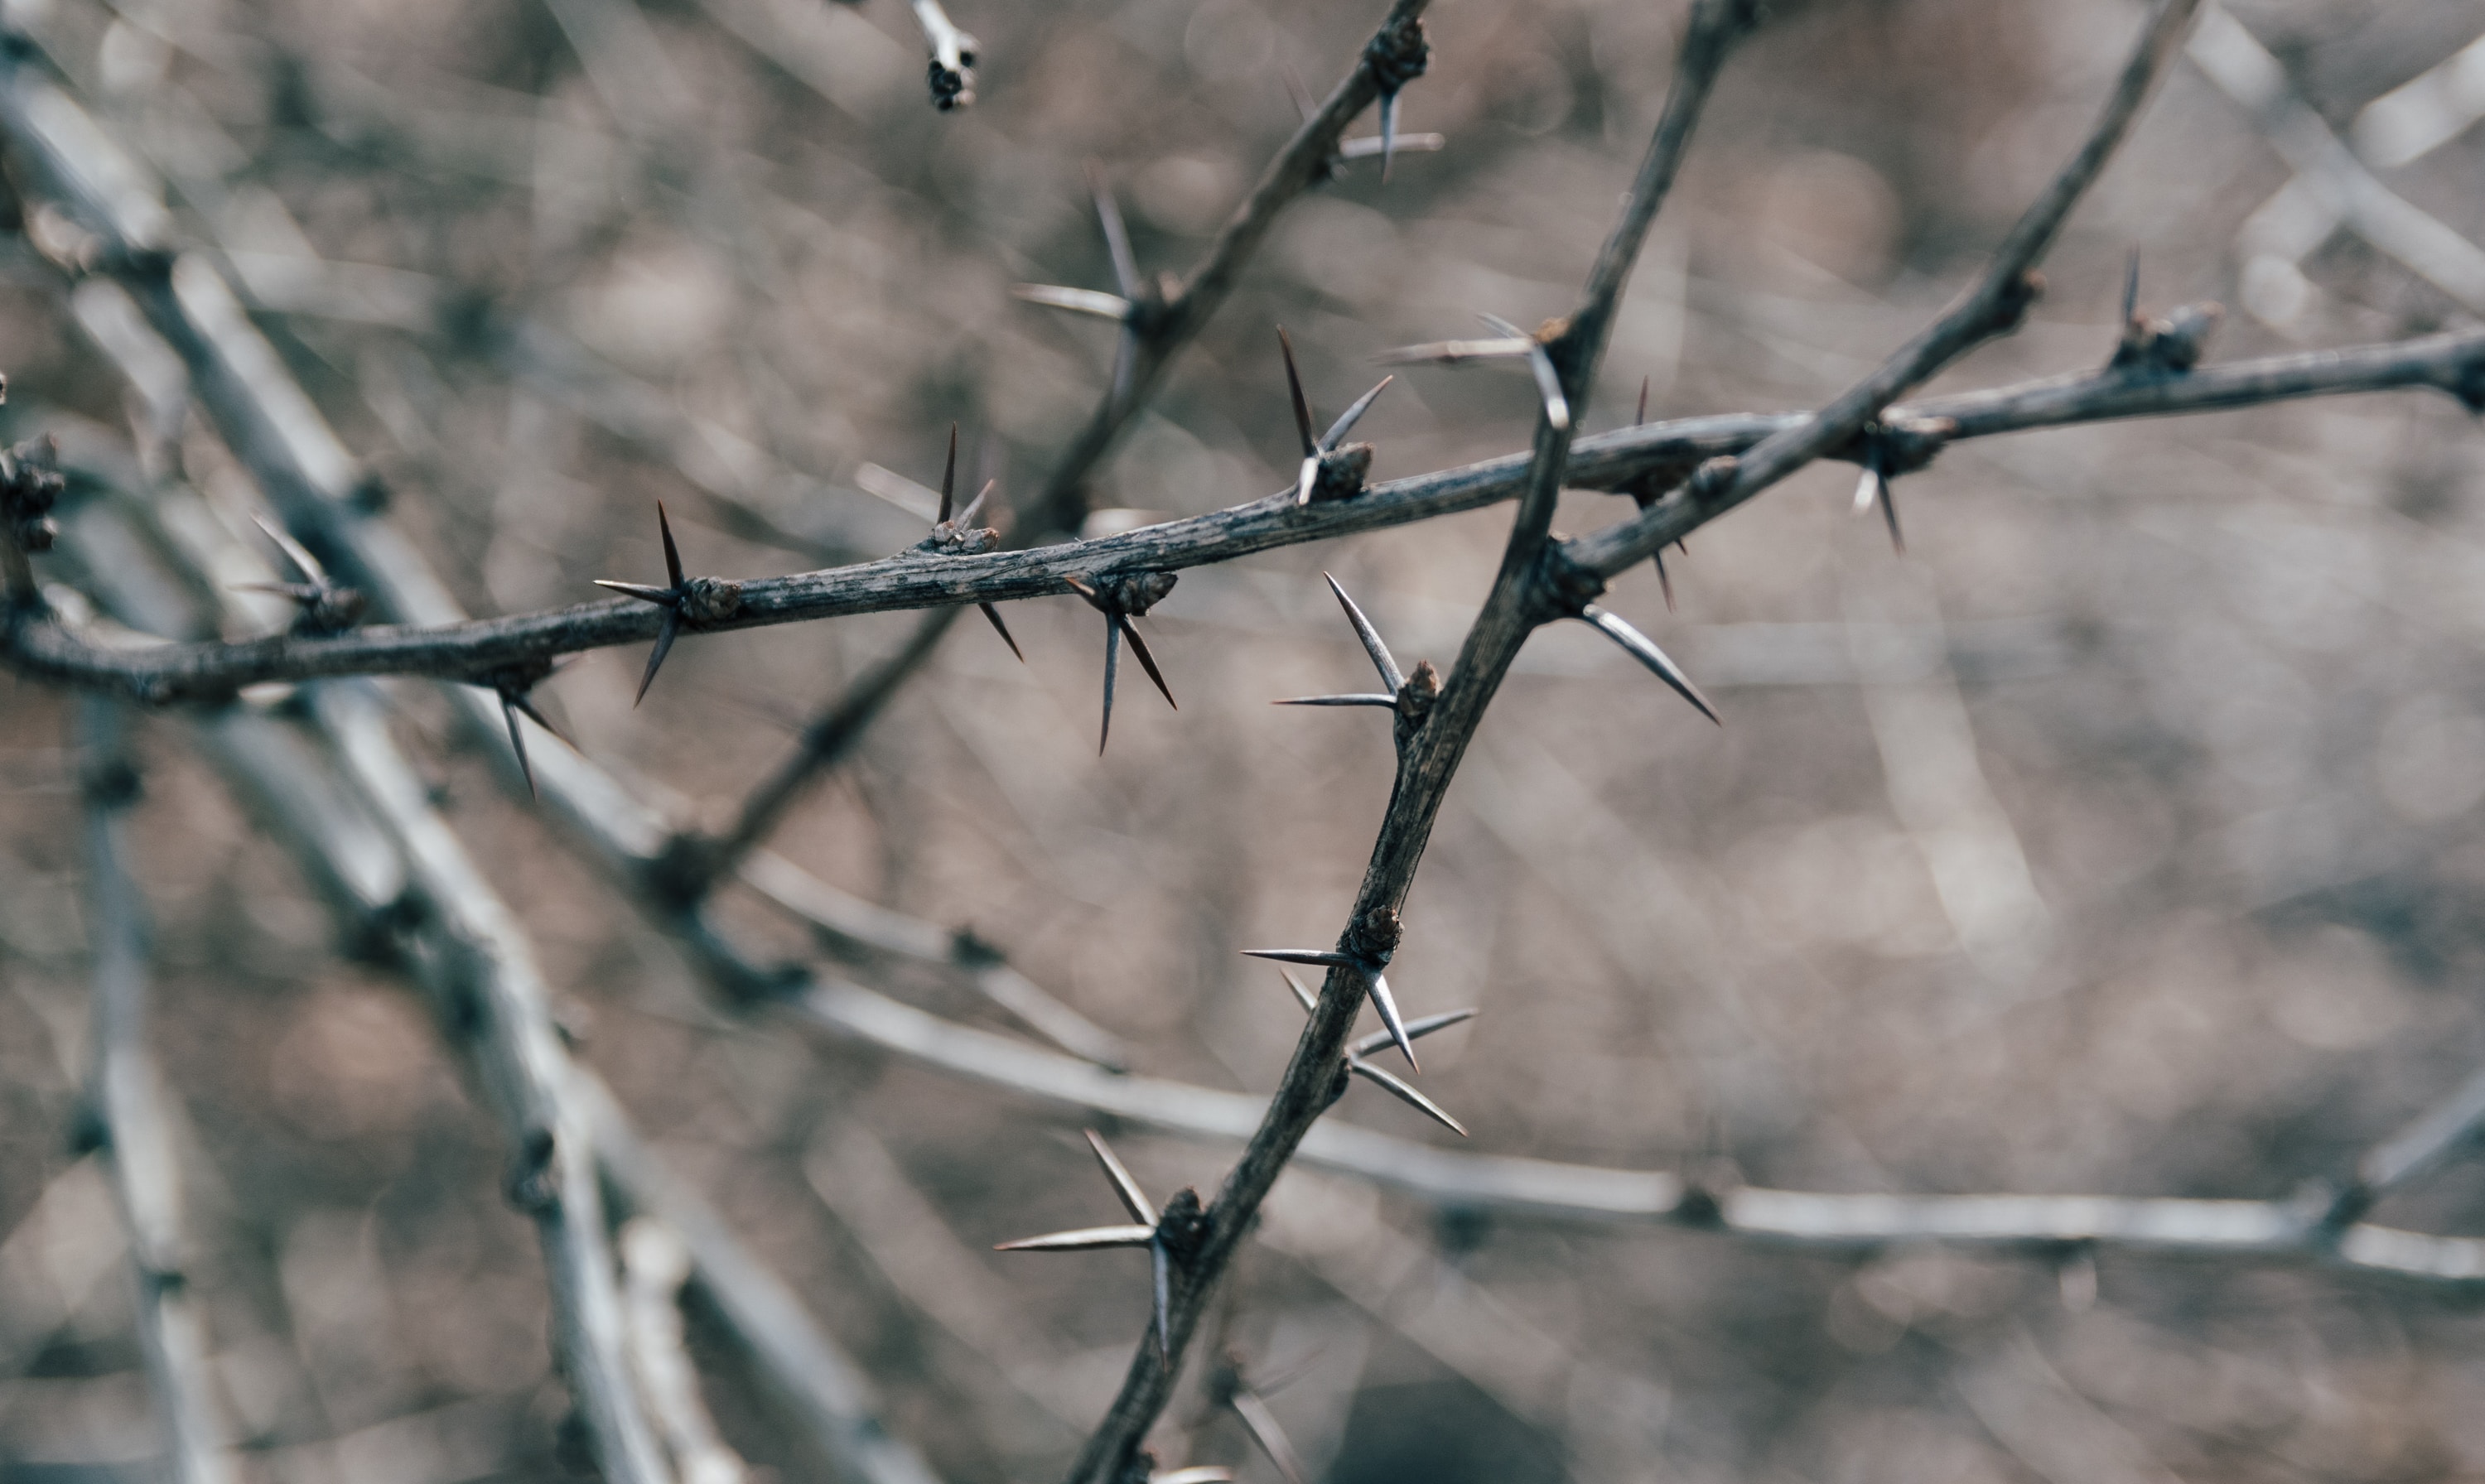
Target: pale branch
x=807, y=1375
x=292, y=784
x=2451, y=362
x=1158, y=327
x=655, y=1264
x=1995, y=305
x=126, y=1100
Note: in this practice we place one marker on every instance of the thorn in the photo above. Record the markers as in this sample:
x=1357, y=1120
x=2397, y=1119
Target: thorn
x=294, y=552
x=1262, y=1424
x=1548, y=381
x=1294, y=388
x=1078, y=301
x=1112, y=662
x=974, y=506
x=1377, y=984
x=1868, y=485
x=661, y=597
x=2131, y=287
x=1663, y=581
x=1302, y=996
x=1196, y=1473
x=1126, y=363
x=1322, y=957
x=1117, y=237
x=1133, y=1199
x=664, y=637
x=1086, y=1239
x=1390, y=675
x=1647, y=654
x=518, y=741
x=994, y=615
x=1353, y=415
x=1454, y=352
x=1405, y=1092
x=1305, y=478
x=1369, y=145
x=672, y=554
x=1890, y=517
x=950, y=479
x=1160, y=1271
x=1369, y=699
x=1388, y=133
x=1416, y=1029
x=1640, y=417
x=1147, y=661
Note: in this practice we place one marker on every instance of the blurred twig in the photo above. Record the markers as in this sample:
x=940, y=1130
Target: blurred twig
x=127, y=1096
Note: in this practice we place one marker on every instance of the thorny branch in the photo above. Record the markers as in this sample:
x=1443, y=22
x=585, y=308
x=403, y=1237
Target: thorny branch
x=1863, y=424
x=1158, y=325
x=127, y=1104
x=1428, y=756
x=2452, y=362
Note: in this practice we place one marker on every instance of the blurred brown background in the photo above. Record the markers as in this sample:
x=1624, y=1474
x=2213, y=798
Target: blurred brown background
x=2120, y=838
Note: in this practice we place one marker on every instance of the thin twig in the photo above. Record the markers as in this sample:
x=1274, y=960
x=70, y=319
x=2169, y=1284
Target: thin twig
x=128, y=1099
x=655, y=1264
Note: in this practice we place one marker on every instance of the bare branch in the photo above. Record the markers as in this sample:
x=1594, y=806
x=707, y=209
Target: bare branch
x=127, y=1098
x=655, y=1263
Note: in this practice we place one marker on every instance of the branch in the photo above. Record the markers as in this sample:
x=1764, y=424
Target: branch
x=2452, y=362
x=655, y=1263
x=1995, y=306
x=128, y=1098
x=1160, y=329
x=1432, y=735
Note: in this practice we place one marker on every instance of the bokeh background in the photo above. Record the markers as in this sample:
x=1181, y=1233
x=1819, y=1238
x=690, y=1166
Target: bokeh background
x=2120, y=837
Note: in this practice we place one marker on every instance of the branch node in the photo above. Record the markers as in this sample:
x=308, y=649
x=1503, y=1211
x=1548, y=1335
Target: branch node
x=1372, y=938
x=532, y=1185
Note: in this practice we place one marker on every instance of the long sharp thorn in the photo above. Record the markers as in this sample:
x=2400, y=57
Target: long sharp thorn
x=1124, y=1186
x=1416, y=1029
x=1160, y=1269
x=950, y=479
x=974, y=506
x=661, y=597
x=994, y=615
x=1295, y=390
x=1390, y=675
x=2131, y=287
x=1388, y=133
x=1112, y=663
x=1367, y=698
x=672, y=554
x=1548, y=381
x=1641, y=416
x=1890, y=517
x=1117, y=237
x=527, y=708
x=1405, y=1091
x=518, y=741
x=1302, y=996
x=1548, y=386
x=1147, y=661
x=1642, y=649
x=664, y=637
x=1078, y=301
x=1664, y=580
x=1262, y=1424
x=1086, y=1239
x=1346, y=419
x=1377, y=984
x=1319, y=958
x=294, y=552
